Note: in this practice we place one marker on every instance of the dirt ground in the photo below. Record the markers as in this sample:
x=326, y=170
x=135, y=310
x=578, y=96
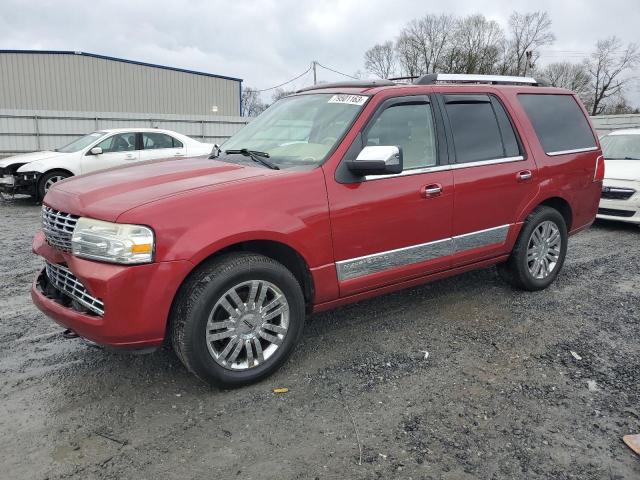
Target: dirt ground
x=500, y=395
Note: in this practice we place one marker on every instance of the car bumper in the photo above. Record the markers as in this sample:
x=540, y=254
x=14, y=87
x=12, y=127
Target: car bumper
x=19, y=184
x=136, y=299
x=627, y=210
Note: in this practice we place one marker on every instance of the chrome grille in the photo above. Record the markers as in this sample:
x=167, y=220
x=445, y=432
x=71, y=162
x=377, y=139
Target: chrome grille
x=65, y=281
x=58, y=227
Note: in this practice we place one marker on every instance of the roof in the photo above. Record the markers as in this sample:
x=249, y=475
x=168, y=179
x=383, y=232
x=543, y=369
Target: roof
x=117, y=59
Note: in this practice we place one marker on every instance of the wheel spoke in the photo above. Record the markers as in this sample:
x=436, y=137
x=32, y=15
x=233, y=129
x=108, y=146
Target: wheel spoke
x=270, y=338
x=224, y=303
x=212, y=337
x=247, y=346
x=274, y=313
x=259, y=353
x=275, y=328
x=236, y=351
x=251, y=299
x=236, y=299
x=227, y=349
x=263, y=295
x=219, y=325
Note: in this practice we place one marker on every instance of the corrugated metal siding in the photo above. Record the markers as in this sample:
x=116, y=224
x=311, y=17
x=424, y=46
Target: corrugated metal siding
x=70, y=82
x=31, y=130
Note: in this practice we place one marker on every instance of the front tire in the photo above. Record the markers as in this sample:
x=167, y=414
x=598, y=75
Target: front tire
x=237, y=319
x=48, y=180
x=539, y=252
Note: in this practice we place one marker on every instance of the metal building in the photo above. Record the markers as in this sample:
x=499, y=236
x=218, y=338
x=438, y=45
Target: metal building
x=49, y=98
x=78, y=81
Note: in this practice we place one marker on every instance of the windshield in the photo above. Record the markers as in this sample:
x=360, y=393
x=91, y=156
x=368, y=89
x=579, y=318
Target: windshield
x=621, y=147
x=299, y=130
x=81, y=143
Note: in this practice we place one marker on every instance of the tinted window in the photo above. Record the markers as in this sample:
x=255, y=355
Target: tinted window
x=559, y=122
x=152, y=141
x=122, y=142
x=474, y=126
x=410, y=127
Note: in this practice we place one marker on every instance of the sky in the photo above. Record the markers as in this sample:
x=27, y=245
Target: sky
x=267, y=42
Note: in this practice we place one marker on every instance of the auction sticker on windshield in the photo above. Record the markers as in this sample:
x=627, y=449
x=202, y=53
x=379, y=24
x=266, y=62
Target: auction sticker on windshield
x=350, y=99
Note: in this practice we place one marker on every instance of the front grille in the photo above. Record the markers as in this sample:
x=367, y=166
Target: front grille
x=617, y=193
x=65, y=281
x=58, y=227
x=614, y=212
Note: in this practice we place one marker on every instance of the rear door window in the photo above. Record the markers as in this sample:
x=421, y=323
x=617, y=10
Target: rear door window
x=559, y=122
x=480, y=128
x=154, y=141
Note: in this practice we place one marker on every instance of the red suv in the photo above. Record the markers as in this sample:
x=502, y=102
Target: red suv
x=335, y=194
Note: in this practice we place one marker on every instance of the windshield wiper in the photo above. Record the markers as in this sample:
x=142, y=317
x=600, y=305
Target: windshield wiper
x=621, y=158
x=256, y=156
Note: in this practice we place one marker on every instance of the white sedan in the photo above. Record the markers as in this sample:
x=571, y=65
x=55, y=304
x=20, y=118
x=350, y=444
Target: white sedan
x=621, y=187
x=34, y=173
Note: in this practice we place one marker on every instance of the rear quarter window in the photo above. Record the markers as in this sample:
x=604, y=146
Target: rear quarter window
x=559, y=122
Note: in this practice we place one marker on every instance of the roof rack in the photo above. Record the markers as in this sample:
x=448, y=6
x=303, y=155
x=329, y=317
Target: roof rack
x=435, y=78
x=352, y=84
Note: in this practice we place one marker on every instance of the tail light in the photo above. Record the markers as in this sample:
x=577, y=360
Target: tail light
x=598, y=175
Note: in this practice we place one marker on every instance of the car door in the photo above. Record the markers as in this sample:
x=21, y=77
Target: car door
x=118, y=149
x=391, y=228
x=157, y=145
x=493, y=175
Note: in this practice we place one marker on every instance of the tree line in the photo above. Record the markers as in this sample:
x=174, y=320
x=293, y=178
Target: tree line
x=474, y=44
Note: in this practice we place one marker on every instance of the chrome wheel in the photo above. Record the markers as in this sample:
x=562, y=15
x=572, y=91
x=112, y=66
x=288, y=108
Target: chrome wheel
x=50, y=181
x=247, y=325
x=543, y=250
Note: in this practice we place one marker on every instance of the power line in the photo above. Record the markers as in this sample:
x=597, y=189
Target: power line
x=288, y=81
x=336, y=71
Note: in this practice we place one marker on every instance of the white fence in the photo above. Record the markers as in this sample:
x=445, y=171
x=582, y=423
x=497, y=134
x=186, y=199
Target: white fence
x=23, y=131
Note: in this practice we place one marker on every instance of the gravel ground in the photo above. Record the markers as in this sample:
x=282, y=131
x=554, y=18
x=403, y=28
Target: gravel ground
x=500, y=395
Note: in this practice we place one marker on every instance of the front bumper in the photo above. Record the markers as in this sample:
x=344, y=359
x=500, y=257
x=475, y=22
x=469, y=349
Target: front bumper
x=136, y=299
x=627, y=210
x=20, y=183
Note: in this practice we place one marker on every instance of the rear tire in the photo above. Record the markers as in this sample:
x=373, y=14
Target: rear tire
x=237, y=319
x=539, y=252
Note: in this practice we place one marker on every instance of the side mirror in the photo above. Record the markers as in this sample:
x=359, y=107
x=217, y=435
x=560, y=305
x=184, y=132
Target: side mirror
x=96, y=151
x=374, y=160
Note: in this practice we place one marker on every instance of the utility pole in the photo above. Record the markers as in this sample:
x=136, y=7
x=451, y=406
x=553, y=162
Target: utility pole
x=315, y=79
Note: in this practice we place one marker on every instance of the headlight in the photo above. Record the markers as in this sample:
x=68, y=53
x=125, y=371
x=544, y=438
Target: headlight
x=112, y=242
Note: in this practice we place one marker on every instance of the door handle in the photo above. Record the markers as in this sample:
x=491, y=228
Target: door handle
x=129, y=156
x=431, y=190
x=179, y=154
x=524, y=175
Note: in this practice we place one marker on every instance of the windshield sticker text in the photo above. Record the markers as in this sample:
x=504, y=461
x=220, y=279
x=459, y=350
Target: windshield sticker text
x=349, y=99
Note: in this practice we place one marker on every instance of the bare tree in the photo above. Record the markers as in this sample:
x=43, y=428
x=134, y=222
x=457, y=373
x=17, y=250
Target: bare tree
x=529, y=31
x=608, y=67
x=408, y=55
x=429, y=36
x=280, y=93
x=476, y=46
x=251, y=104
x=572, y=76
x=381, y=59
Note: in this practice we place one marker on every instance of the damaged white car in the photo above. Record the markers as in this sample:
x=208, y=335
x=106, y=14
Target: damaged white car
x=34, y=173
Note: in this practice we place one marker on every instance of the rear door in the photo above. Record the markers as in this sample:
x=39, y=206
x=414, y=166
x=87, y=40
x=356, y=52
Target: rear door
x=493, y=175
x=387, y=229
x=157, y=145
x=118, y=149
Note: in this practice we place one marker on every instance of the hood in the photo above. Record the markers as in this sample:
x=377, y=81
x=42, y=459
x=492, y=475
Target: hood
x=108, y=193
x=29, y=157
x=622, y=170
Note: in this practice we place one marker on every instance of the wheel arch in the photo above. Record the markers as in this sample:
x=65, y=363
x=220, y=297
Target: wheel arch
x=558, y=203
